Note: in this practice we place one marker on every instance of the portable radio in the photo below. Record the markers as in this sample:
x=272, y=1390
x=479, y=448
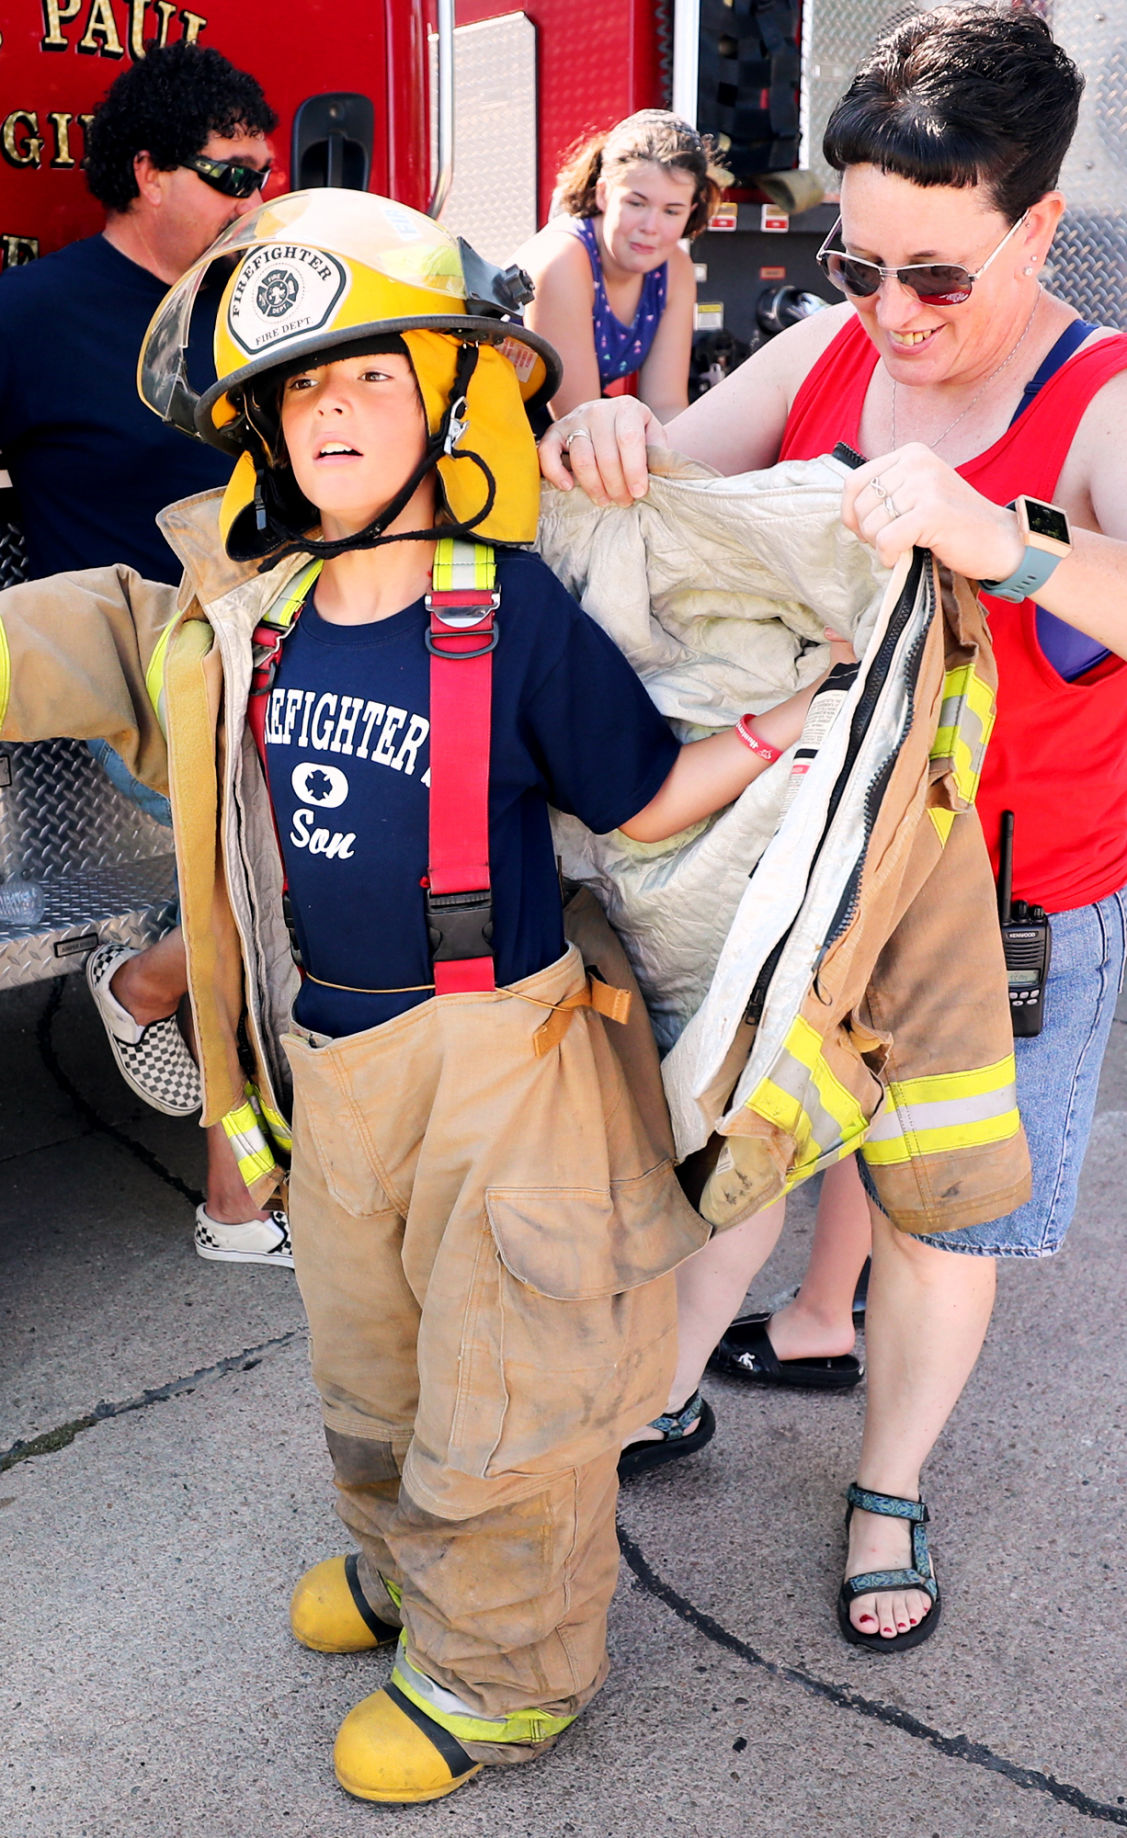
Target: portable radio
x=1027, y=943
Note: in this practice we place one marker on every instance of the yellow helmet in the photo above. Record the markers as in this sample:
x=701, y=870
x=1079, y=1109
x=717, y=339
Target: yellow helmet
x=319, y=270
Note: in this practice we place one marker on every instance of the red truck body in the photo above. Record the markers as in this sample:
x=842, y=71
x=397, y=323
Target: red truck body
x=58, y=58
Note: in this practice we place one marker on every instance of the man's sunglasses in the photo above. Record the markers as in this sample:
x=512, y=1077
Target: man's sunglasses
x=231, y=177
x=936, y=283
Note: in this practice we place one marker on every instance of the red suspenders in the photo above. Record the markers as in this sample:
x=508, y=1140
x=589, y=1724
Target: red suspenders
x=461, y=639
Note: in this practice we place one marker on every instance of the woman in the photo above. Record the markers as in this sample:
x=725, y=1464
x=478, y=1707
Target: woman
x=949, y=142
x=614, y=290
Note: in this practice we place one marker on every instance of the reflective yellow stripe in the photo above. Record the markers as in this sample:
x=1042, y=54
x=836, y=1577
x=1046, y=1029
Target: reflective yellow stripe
x=277, y=1125
x=244, y=1132
x=461, y=565
x=943, y=1140
x=5, y=673
x=803, y=1097
x=966, y=718
x=945, y=1085
x=942, y=819
x=285, y=610
x=518, y=1726
x=154, y=675
x=806, y=1044
x=933, y=1116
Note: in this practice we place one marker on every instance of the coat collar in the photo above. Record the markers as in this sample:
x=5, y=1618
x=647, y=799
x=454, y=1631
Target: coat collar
x=191, y=529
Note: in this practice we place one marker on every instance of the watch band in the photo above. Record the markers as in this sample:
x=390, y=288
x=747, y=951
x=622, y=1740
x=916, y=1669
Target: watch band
x=1038, y=561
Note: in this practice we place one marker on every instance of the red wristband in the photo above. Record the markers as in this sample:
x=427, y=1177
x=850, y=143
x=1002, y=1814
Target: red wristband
x=760, y=747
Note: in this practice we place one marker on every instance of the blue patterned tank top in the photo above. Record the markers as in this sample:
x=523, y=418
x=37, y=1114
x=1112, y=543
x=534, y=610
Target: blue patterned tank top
x=620, y=349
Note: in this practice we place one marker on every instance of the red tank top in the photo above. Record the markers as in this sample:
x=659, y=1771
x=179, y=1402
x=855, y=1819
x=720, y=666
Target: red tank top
x=1058, y=755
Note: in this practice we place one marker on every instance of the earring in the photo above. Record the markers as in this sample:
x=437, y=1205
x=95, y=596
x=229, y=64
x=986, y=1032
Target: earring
x=1030, y=268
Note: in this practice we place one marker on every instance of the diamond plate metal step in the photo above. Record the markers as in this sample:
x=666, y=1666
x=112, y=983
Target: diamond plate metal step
x=133, y=904
x=106, y=870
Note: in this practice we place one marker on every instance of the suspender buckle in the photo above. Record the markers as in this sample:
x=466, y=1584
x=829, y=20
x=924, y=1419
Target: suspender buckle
x=459, y=608
x=458, y=615
x=460, y=924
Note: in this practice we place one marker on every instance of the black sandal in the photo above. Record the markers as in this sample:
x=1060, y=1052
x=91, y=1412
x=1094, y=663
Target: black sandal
x=745, y=1352
x=683, y=1433
x=879, y=1582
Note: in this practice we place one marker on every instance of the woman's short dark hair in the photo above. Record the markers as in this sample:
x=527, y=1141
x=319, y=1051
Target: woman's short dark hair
x=168, y=104
x=963, y=95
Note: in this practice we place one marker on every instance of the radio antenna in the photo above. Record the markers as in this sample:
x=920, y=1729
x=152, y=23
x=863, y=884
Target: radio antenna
x=1006, y=868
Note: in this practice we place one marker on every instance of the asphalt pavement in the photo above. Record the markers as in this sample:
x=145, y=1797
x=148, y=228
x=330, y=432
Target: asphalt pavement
x=165, y=1483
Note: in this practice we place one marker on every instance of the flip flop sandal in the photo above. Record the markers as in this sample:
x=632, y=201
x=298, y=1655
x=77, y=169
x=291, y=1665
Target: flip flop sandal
x=745, y=1352
x=683, y=1433
x=880, y=1582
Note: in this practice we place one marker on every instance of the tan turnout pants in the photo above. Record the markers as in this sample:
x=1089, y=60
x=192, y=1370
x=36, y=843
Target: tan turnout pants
x=482, y=1236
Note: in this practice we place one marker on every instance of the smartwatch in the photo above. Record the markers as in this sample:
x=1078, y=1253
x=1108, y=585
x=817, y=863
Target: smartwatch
x=1047, y=538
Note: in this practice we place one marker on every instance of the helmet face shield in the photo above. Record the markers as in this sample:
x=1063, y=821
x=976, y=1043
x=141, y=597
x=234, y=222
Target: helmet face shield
x=315, y=273
x=316, y=268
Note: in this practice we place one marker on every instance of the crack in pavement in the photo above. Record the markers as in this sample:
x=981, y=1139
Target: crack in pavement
x=43, y=1034
x=64, y=1433
x=958, y=1748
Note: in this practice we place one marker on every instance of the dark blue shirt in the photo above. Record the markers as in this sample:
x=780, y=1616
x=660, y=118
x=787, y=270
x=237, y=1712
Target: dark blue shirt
x=91, y=464
x=348, y=755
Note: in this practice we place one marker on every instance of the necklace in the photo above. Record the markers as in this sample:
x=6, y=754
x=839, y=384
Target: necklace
x=977, y=397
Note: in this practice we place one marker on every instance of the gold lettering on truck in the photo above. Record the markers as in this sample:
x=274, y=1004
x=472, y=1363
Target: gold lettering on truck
x=54, y=12
x=60, y=120
x=23, y=152
x=101, y=26
x=101, y=34
x=165, y=11
x=137, y=10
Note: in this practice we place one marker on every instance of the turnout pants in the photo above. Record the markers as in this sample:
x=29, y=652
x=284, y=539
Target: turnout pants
x=483, y=1234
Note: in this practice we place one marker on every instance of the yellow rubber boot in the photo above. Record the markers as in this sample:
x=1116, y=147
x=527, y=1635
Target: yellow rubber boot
x=329, y=1612
x=389, y=1749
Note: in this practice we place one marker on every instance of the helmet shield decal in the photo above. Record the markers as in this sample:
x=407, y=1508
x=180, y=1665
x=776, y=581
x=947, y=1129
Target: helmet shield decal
x=283, y=291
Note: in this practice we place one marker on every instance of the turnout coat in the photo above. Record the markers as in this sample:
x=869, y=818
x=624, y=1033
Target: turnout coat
x=850, y=992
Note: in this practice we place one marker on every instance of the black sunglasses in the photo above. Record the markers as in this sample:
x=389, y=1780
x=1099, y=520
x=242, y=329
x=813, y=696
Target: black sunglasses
x=936, y=283
x=232, y=177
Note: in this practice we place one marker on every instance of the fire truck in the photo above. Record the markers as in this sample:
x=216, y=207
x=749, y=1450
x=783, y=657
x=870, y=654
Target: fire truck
x=466, y=115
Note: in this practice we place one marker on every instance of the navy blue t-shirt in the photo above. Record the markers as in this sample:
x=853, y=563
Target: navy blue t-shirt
x=348, y=756
x=91, y=464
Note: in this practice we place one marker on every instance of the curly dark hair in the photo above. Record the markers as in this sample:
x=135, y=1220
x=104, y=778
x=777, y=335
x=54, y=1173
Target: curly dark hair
x=168, y=105
x=963, y=95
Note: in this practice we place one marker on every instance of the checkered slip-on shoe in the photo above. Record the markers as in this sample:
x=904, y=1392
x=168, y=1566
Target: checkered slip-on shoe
x=258, y=1241
x=154, y=1061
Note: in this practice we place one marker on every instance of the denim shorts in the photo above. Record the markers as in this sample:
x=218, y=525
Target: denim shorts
x=1058, y=1074
x=153, y=803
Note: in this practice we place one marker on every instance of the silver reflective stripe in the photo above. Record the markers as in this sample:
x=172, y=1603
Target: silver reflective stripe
x=791, y=1076
x=442, y=1700
x=941, y=1113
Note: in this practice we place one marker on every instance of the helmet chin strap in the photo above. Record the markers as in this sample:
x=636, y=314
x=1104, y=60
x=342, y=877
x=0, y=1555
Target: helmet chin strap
x=443, y=442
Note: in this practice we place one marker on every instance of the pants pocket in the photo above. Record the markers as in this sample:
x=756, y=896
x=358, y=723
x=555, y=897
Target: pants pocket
x=571, y=1339
x=334, y=1131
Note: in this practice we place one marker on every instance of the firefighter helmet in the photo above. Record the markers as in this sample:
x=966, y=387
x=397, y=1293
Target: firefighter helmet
x=319, y=272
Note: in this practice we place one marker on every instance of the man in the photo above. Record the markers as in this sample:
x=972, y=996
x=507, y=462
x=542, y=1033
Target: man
x=176, y=153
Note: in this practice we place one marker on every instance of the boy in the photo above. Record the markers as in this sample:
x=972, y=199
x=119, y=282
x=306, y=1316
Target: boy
x=483, y=1206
